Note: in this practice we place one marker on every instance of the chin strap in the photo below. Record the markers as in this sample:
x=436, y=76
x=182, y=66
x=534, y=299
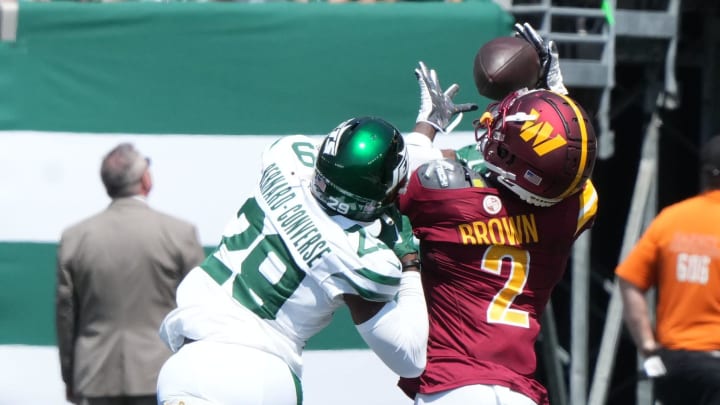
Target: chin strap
x=507, y=179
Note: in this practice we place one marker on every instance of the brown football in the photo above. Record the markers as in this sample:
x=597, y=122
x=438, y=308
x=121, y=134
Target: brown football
x=505, y=64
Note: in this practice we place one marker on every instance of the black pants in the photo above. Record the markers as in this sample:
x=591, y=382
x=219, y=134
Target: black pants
x=693, y=378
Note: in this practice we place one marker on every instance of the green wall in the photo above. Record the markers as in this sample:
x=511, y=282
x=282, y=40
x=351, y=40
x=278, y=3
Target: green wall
x=27, y=295
x=233, y=68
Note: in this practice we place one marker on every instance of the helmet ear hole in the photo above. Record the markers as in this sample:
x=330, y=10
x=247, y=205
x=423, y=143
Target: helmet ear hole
x=502, y=152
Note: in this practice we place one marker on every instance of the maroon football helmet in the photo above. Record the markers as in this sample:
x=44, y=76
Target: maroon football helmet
x=539, y=144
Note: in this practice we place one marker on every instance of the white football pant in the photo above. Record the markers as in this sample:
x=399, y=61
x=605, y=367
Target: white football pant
x=475, y=395
x=211, y=373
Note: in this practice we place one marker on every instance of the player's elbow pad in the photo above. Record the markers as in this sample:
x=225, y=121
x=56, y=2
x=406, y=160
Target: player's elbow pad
x=398, y=333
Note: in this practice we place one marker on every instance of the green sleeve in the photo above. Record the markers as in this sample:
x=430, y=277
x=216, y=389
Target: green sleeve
x=406, y=244
x=397, y=233
x=472, y=158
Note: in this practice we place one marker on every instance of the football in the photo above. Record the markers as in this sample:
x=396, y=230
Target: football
x=505, y=64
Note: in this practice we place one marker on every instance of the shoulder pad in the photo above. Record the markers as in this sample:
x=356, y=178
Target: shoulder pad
x=448, y=174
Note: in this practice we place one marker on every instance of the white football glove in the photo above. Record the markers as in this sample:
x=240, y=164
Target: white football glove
x=437, y=107
x=550, y=74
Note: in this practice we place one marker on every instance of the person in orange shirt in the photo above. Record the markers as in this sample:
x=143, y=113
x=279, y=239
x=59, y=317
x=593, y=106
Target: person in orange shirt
x=679, y=254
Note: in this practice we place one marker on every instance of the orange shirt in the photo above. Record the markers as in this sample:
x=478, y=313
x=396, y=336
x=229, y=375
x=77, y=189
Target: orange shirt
x=679, y=253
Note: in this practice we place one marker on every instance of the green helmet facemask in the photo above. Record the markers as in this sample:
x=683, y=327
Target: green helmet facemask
x=360, y=168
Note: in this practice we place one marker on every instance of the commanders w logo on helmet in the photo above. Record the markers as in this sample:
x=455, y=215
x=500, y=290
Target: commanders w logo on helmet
x=541, y=133
x=539, y=144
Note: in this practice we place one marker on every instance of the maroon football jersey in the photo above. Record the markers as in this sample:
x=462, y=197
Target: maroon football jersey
x=489, y=264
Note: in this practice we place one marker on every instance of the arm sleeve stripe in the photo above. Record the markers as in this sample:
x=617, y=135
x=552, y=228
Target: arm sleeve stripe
x=588, y=206
x=364, y=292
x=379, y=278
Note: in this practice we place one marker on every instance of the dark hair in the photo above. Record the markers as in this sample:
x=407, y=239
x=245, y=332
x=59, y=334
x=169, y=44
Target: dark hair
x=710, y=163
x=122, y=170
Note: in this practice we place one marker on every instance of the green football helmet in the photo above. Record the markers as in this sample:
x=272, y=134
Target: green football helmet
x=361, y=166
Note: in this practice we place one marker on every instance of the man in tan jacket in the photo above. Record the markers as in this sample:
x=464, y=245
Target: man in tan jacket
x=116, y=279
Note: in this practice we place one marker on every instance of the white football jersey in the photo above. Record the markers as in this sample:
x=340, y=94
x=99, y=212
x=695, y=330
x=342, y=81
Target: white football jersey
x=282, y=265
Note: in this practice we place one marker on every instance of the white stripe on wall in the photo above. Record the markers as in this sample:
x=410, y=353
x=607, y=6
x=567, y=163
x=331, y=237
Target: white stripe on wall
x=50, y=180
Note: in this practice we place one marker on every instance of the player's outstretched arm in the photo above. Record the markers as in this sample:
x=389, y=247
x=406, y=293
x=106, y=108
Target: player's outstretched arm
x=396, y=331
x=437, y=107
x=550, y=75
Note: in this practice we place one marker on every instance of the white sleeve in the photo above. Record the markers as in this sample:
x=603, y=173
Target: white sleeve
x=420, y=150
x=398, y=333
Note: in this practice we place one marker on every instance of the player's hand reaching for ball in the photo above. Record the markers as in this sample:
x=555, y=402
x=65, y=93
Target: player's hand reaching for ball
x=436, y=106
x=550, y=74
